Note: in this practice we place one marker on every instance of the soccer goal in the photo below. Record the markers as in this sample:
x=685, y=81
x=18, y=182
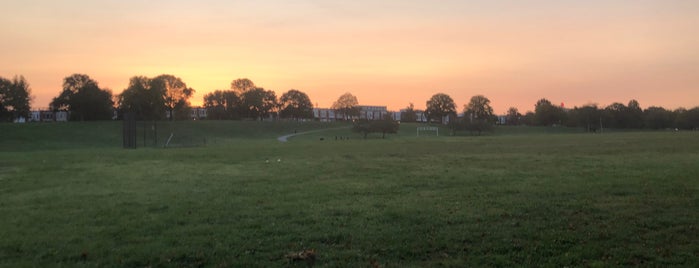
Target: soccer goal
x=427, y=129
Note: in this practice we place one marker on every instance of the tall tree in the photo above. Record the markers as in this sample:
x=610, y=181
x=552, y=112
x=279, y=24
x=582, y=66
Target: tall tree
x=347, y=105
x=15, y=96
x=141, y=98
x=84, y=99
x=176, y=95
x=295, y=104
x=635, y=114
x=222, y=104
x=5, y=87
x=513, y=116
x=259, y=103
x=478, y=108
x=241, y=85
x=439, y=106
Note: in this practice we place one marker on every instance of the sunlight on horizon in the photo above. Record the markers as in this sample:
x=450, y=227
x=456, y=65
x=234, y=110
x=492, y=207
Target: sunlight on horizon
x=389, y=53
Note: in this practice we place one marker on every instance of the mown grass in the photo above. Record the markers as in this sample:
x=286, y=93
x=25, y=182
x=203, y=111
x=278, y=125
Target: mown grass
x=247, y=200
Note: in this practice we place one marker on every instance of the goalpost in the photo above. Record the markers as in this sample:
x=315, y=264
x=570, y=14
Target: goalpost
x=430, y=129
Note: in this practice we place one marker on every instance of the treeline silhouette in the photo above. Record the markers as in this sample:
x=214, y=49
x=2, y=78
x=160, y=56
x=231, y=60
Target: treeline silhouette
x=168, y=97
x=616, y=115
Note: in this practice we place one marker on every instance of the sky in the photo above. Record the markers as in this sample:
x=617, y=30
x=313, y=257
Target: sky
x=389, y=52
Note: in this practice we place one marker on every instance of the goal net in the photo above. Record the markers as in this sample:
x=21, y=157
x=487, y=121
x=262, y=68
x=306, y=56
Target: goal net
x=427, y=130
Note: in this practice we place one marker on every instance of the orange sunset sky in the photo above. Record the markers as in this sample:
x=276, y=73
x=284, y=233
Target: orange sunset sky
x=384, y=52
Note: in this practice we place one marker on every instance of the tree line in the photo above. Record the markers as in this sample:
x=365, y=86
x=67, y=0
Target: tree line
x=157, y=98
x=616, y=115
x=478, y=115
x=167, y=97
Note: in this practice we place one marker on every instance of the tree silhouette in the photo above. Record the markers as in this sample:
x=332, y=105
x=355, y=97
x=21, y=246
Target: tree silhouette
x=142, y=98
x=176, y=94
x=347, y=105
x=259, y=103
x=547, y=114
x=84, y=99
x=409, y=114
x=478, y=108
x=15, y=96
x=587, y=116
x=513, y=116
x=222, y=104
x=687, y=119
x=295, y=104
x=241, y=85
x=384, y=125
x=439, y=106
x=634, y=114
x=658, y=118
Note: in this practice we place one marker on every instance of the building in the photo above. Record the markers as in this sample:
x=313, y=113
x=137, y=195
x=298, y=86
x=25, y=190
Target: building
x=365, y=113
x=198, y=113
x=372, y=112
x=368, y=112
x=46, y=115
x=325, y=115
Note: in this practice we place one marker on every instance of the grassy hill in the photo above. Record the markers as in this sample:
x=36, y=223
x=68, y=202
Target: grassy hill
x=71, y=196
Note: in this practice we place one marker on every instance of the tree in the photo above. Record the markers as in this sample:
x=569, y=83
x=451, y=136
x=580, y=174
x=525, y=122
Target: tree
x=385, y=125
x=142, y=98
x=15, y=96
x=513, y=116
x=347, y=105
x=478, y=108
x=408, y=114
x=547, y=114
x=241, y=85
x=84, y=99
x=176, y=95
x=222, y=104
x=259, y=103
x=634, y=114
x=295, y=104
x=5, y=87
x=439, y=106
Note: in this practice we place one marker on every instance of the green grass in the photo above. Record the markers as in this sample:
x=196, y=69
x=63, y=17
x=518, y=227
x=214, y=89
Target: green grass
x=532, y=199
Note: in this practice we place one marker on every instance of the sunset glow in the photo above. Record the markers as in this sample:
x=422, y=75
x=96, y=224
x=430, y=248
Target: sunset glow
x=384, y=52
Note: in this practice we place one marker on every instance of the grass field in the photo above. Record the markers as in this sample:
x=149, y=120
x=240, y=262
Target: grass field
x=70, y=196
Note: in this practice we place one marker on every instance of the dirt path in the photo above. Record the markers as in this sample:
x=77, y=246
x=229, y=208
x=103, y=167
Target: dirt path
x=285, y=138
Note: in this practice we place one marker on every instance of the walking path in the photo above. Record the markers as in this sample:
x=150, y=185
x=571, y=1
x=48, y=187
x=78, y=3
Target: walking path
x=285, y=138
